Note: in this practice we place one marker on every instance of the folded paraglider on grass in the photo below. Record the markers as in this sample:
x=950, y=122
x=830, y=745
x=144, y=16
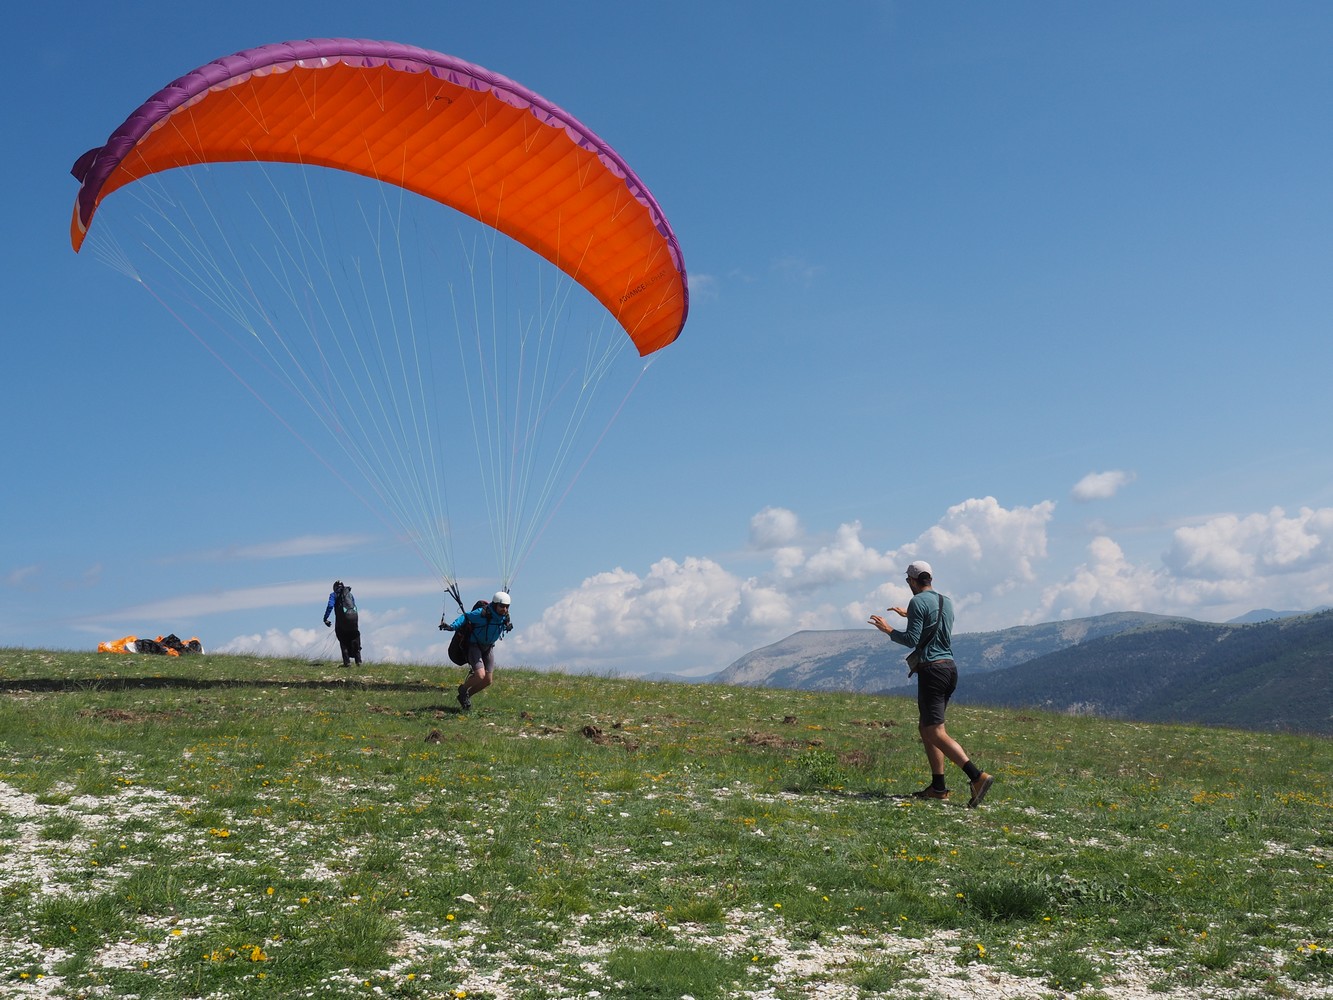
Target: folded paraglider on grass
x=169, y=645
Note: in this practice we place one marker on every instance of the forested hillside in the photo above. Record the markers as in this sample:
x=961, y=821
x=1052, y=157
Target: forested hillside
x=1271, y=675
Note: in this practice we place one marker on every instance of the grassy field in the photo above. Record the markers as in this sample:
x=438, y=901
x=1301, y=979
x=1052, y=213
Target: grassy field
x=222, y=826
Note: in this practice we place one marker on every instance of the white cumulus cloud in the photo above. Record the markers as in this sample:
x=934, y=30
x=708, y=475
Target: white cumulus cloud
x=774, y=527
x=846, y=558
x=1257, y=544
x=619, y=620
x=1106, y=582
x=696, y=615
x=1217, y=569
x=1101, y=485
x=986, y=546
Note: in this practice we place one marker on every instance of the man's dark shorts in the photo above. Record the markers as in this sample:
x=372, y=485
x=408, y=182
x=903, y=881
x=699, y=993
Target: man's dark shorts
x=479, y=656
x=935, y=683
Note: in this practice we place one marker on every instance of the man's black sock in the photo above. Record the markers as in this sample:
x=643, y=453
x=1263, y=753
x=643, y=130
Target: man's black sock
x=972, y=771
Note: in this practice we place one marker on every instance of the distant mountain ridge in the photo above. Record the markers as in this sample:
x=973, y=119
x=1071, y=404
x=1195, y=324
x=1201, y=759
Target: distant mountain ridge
x=1266, y=670
x=1268, y=614
x=1273, y=675
x=864, y=660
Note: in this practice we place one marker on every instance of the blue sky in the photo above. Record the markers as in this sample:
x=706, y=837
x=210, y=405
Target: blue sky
x=1038, y=292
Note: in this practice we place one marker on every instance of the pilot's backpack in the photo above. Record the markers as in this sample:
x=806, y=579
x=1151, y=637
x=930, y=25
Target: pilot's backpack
x=344, y=609
x=462, y=639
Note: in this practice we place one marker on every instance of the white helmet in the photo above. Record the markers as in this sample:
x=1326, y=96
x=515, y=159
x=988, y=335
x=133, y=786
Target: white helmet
x=500, y=598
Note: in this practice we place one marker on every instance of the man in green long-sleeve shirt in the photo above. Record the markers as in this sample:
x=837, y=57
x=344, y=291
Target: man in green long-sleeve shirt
x=929, y=631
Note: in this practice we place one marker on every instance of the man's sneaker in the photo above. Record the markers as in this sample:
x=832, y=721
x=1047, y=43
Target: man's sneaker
x=931, y=792
x=464, y=699
x=979, y=789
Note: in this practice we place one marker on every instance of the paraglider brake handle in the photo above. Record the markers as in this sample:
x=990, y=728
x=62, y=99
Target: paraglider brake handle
x=452, y=591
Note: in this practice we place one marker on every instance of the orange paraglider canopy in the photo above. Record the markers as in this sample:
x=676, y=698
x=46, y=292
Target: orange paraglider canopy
x=446, y=129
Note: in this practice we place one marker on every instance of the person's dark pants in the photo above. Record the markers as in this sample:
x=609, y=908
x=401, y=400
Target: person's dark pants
x=349, y=640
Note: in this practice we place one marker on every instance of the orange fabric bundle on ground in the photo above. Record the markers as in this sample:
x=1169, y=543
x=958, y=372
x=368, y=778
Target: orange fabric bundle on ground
x=162, y=646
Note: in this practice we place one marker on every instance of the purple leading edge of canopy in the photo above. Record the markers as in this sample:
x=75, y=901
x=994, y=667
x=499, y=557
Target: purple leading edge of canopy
x=95, y=166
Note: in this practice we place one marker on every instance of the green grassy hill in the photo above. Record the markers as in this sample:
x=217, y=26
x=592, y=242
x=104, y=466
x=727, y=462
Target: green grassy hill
x=236, y=827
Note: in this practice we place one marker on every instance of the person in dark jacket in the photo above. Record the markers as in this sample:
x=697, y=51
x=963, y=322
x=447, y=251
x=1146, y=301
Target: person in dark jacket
x=342, y=605
x=489, y=625
x=929, y=633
